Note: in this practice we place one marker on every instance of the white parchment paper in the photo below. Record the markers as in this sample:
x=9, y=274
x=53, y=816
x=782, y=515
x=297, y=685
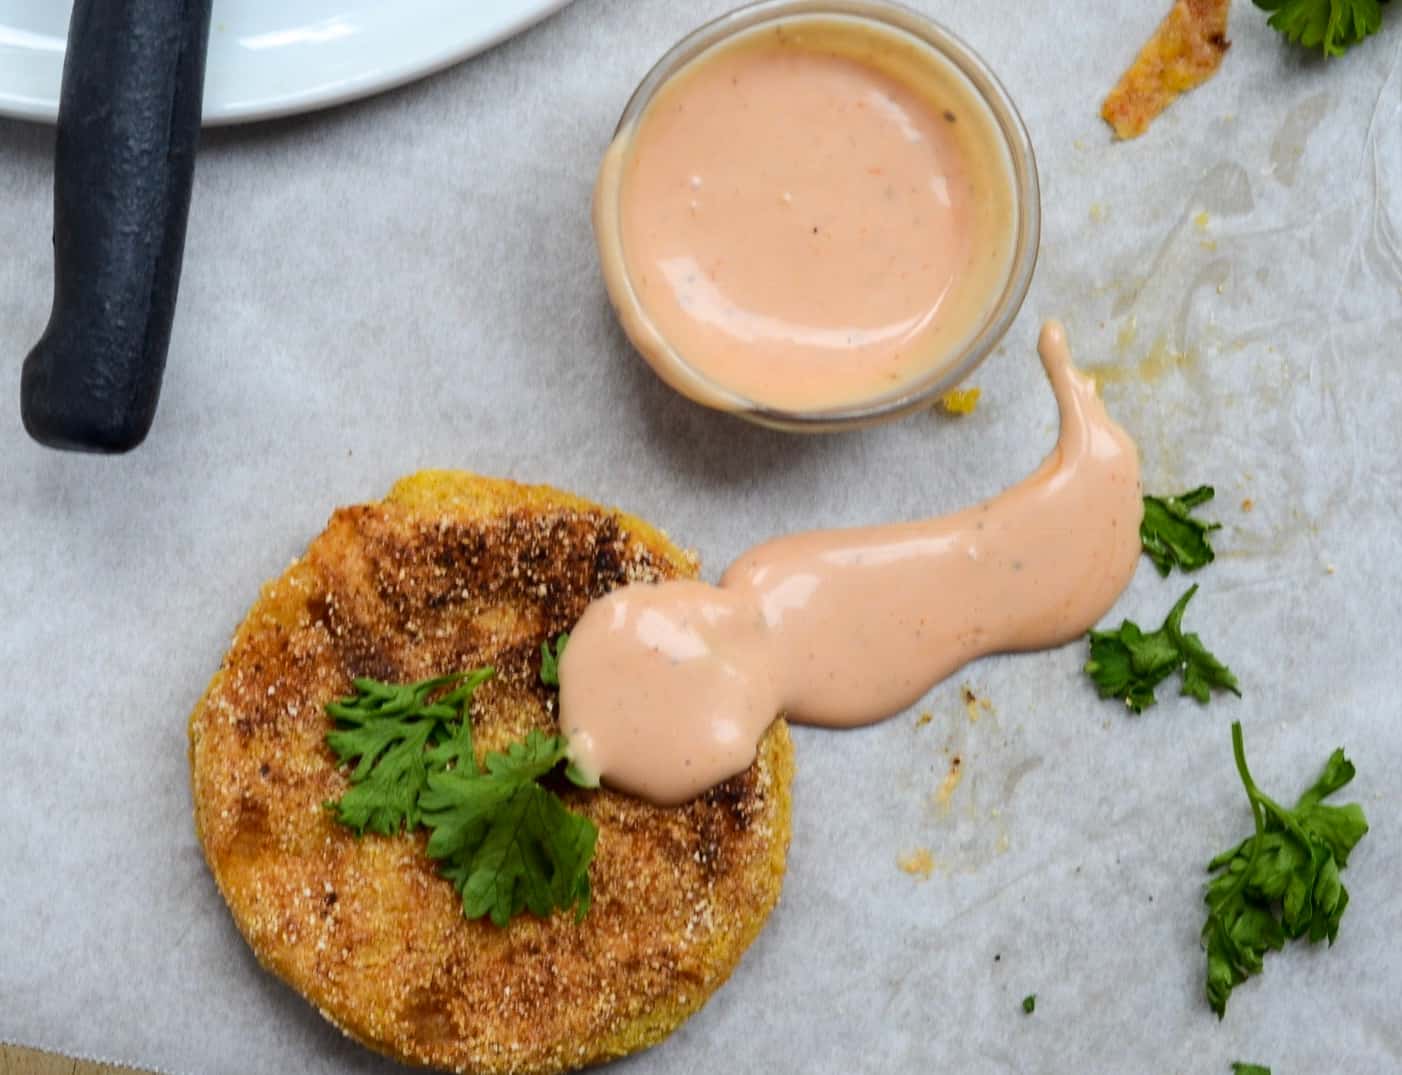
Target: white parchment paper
x=411, y=282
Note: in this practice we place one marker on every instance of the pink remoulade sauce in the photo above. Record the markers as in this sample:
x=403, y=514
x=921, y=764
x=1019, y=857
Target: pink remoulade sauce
x=811, y=215
x=666, y=689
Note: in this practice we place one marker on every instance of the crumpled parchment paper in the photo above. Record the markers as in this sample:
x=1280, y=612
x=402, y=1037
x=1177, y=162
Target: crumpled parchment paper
x=411, y=282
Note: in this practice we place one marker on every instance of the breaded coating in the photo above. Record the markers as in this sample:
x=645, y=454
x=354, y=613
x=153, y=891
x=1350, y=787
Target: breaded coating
x=452, y=572
x=1184, y=52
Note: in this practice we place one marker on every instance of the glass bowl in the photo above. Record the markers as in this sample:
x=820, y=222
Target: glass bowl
x=918, y=392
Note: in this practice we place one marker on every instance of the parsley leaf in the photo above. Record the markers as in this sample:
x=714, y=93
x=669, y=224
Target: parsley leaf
x=1128, y=664
x=1171, y=536
x=550, y=676
x=507, y=843
x=1029, y=1003
x=1281, y=883
x=550, y=660
x=1332, y=25
x=396, y=733
x=1238, y=1068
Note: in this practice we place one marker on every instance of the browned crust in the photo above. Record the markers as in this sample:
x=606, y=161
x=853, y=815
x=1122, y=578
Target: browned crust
x=454, y=571
x=1184, y=52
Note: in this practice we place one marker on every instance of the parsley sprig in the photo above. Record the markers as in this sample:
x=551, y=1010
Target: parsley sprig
x=394, y=733
x=550, y=660
x=1282, y=882
x=1331, y=25
x=505, y=840
x=507, y=843
x=1171, y=536
x=1128, y=663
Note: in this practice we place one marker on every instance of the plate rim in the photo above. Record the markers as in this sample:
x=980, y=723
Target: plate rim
x=328, y=93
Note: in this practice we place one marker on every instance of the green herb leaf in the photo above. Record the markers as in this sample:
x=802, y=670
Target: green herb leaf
x=1281, y=883
x=507, y=843
x=550, y=660
x=393, y=734
x=1202, y=671
x=1330, y=25
x=1171, y=536
x=1128, y=663
x=1238, y=1068
x=1029, y=1003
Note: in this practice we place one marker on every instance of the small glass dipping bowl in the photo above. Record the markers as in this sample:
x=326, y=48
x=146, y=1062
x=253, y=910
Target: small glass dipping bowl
x=944, y=373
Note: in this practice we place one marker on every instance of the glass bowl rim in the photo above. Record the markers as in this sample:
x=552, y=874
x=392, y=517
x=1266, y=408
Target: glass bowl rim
x=1026, y=196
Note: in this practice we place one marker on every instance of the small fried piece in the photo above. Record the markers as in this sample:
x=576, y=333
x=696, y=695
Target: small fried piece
x=453, y=571
x=960, y=401
x=1184, y=52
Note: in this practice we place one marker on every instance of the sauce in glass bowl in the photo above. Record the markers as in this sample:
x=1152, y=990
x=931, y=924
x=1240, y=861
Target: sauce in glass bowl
x=813, y=215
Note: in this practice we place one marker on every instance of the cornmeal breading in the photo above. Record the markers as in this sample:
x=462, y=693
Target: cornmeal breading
x=450, y=572
x=1184, y=52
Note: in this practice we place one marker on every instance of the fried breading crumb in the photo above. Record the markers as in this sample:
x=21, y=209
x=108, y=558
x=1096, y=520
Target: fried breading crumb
x=1184, y=52
x=960, y=401
x=950, y=783
x=974, y=706
x=919, y=863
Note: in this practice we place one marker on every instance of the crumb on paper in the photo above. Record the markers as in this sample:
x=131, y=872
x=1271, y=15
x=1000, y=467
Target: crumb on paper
x=950, y=782
x=1184, y=52
x=960, y=401
x=1124, y=339
x=1161, y=360
x=1097, y=212
x=1248, y=504
x=924, y=719
x=1201, y=221
x=974, y=706
x=918, y=863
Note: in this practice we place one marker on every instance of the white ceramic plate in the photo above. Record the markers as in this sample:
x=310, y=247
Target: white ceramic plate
x=276, y=57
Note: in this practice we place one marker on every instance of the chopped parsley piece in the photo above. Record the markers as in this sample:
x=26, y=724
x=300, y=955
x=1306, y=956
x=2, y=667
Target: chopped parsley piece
x=394, y=733
x=550, y=660
x=1029, y=1003
x=1332, y=26
x=1281, y=883
x=505, y=841
x=1128, y=663
x=1171, y=536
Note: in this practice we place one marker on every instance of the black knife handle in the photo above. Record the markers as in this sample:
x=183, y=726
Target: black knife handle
x=128, y=125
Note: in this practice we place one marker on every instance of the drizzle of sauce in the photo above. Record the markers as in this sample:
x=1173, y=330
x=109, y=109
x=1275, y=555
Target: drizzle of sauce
x=666, y=689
